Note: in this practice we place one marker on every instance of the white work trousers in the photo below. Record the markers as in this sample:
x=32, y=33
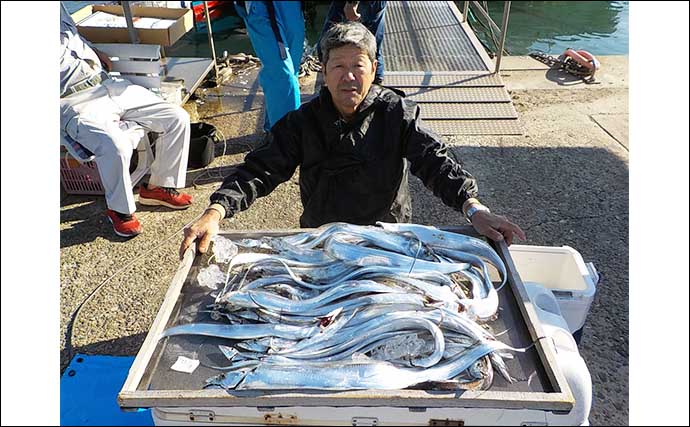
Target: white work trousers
x=101, y=120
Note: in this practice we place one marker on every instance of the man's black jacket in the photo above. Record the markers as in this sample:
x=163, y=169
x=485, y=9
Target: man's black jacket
x=349, y=171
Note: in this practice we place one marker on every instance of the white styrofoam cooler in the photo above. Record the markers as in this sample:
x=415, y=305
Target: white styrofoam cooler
x=569, y=360
x=355, y=416
x=563, y=271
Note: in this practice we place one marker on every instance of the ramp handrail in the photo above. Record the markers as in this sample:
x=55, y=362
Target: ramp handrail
x=492, y=24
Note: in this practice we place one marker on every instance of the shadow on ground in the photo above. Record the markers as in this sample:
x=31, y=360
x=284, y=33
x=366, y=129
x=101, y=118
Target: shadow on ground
x=574, y=196
x=83, y=219
x=559, y=76
x=242, y=144
x=124, y=346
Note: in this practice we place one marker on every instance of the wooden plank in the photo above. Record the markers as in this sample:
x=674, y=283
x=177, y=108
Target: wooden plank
x=137, y=67
x=191, y=71
x=130, y=51
x=379, y=398
x=545, y=347
x=136, y=372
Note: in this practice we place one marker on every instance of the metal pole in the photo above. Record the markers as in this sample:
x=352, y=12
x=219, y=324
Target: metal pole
x=133, y=35
x=504, y=28
x=485, y=14
x=465, y=8
x=210, y=38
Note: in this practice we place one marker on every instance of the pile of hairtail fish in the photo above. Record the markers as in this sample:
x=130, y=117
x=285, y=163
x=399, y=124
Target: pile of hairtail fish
x=348, y=307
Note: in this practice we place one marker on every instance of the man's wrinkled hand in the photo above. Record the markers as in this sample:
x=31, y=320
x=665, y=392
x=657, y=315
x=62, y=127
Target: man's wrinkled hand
x=350, y=11
x=496, y=227
x=203, y=229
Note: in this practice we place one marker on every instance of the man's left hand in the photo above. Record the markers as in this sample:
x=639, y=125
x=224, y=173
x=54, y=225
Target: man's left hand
x=350, y=11
x=496, y=227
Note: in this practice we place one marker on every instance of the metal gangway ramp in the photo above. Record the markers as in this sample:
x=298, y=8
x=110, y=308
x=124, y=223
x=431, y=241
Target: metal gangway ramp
x=432, y=55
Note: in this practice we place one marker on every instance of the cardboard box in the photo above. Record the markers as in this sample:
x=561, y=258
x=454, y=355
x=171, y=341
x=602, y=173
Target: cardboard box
x=184, y=21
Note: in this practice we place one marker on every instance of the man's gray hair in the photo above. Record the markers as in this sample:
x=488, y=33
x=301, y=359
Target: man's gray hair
x=348, y=33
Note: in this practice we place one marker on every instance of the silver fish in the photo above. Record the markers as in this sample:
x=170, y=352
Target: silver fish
x=271, y=301
x=361, y=256
x=356, y=376
x=369, y=331
x=242, y=332
x=434, y=237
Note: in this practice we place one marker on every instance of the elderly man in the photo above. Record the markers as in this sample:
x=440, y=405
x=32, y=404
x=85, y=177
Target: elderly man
x=103, y=114
x=351, y=143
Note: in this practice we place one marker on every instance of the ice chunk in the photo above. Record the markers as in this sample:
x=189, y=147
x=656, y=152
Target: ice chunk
x=228, y=352
x=407, y=346
x=178, y=350
x=211, y=276
x=253, y=244
x=223, y=248
x=360, y=357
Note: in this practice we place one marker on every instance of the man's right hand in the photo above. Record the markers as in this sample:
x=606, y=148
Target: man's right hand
x=203, y=229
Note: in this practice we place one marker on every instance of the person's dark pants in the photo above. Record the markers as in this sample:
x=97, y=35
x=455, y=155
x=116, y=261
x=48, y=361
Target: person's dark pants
x=372, y=16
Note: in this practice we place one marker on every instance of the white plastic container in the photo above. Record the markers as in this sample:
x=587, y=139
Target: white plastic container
x=571, y=363
x=361, y=416
x=563, y=271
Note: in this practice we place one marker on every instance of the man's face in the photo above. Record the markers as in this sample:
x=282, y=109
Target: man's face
x=349, y=74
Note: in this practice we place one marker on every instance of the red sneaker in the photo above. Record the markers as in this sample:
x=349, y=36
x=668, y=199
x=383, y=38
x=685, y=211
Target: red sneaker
x=163, y=196
x=124, y=225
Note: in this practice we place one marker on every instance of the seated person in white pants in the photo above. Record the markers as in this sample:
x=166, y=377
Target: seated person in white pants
x=96, y=110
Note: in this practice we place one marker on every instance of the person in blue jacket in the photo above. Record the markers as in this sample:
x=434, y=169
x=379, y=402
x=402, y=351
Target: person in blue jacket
x=276, y=30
